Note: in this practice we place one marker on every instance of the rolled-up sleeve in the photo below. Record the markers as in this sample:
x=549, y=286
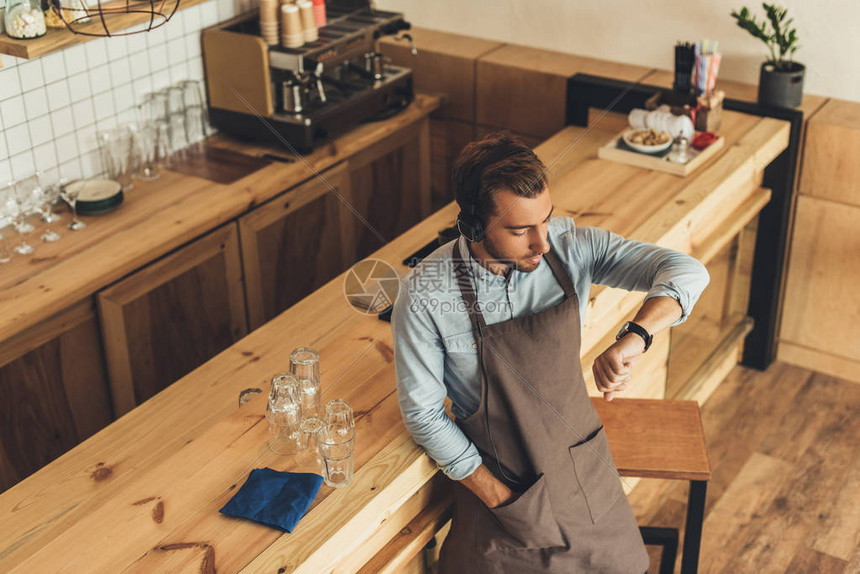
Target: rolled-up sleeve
x=638, y=266
x=419, y=360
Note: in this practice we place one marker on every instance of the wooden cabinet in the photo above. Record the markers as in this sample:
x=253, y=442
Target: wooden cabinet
x=819, y=318
x=168, y=318
x=53, y=391
x=830, y=167
x=445, y=66
x=390, y=186
x=524, y=89
x=295, y=243
x=819, y=330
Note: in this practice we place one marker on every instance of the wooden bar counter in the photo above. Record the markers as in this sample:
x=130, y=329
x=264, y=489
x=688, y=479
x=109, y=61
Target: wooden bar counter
x=143, y=494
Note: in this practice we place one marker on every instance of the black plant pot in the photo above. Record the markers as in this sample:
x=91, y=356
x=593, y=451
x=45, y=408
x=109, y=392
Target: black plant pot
x=781, y=88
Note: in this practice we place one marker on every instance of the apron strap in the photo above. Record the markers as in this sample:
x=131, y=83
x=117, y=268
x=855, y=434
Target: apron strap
x=467, y=291
x=561, y=274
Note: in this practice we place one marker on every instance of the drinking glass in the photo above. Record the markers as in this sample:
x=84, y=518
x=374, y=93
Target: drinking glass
x=176, y=120
x=305, y=367
x=30, y=191
x=115, y=146
x=284, y=412
x=53, y=190
x=146, y=150
x=69, y=193
x=196, y=120
x=49, y=196
x=310, y=456
x=20, y=209
x=338, y=415
x=153, y=108
x=338, y=456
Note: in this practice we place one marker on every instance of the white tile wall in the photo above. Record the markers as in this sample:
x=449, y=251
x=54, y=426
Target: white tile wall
x=51, y=107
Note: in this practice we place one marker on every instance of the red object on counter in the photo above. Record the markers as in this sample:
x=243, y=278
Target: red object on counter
x=319, y=13
x=702, y=140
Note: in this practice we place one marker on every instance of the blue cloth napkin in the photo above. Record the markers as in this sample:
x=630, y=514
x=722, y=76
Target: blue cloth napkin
x=276, y=499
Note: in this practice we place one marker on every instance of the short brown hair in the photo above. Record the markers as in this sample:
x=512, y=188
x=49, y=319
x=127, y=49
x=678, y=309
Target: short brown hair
x=497, y=161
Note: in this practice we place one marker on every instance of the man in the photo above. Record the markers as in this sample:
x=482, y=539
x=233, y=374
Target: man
x=492, y=321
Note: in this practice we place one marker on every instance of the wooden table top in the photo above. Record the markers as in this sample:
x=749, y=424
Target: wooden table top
x=653, y=438
x=160, y=215
x=143, y=494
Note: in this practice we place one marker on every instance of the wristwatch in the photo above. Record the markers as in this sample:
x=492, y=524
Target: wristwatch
x=631, y=327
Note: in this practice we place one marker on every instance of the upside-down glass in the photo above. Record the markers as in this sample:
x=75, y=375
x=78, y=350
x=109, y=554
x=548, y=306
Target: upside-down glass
x=305, y=367
x=115, y=146
x=147, y=150
x=338, y=456
x=310, y=456
x=195, y=111
x=338, y=414
x=284, y=412
x=176, y=120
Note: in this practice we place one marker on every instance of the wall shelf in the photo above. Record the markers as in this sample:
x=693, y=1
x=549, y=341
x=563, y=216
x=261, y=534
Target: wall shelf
x=60, y=39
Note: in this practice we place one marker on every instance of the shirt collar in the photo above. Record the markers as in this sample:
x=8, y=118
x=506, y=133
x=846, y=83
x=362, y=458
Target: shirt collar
x=479, y=271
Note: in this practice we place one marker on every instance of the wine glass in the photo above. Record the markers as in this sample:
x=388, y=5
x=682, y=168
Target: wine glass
x=24, y=197
x=69, y=193
x=49, y=196
x=18, y=209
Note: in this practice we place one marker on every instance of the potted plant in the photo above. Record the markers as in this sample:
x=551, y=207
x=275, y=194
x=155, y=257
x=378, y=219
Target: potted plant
x=781, y=78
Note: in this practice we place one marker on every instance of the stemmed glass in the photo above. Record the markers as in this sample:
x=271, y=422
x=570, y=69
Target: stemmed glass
x=30, y=192
x=70, y=193
x=16, y=208
x=49, y=196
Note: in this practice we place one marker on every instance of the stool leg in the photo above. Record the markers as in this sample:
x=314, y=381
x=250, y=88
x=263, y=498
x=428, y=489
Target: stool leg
x=667, y=538
x=693, y=527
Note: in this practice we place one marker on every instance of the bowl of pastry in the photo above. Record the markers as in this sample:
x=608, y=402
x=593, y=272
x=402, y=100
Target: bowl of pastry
x=648, y=140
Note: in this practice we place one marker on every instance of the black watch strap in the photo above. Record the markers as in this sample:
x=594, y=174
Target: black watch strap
x=631, y=327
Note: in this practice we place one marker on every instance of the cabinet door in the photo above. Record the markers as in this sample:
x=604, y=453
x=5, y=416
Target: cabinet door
x=296, y=243
x=170, y=317
x=390, y=184
x=53, y=391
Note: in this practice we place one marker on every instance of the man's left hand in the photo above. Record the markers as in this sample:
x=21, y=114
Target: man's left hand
x=613, y=369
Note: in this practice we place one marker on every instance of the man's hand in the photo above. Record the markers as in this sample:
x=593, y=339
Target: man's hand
x=614, y=367
x=488, y=488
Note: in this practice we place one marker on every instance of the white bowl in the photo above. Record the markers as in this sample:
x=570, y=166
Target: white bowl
x=646, y=148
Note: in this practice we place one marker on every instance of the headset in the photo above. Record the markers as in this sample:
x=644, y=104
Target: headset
x=469, y=224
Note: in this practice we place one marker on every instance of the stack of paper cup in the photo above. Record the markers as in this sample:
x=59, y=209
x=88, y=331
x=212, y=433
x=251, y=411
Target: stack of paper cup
x=309, y=24
x=269, y=21
x=319, y=12
x=291, y=27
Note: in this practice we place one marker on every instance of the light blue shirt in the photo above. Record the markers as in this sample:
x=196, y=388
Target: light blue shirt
x=435, y=352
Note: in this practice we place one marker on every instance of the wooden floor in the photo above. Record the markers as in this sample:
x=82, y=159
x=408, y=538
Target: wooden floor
x=785, y=493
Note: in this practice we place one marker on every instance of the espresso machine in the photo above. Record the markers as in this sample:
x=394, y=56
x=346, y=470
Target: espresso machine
x=304, y=95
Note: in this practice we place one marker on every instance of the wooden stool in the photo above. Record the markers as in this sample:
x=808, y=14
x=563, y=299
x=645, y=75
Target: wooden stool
x=654, y=438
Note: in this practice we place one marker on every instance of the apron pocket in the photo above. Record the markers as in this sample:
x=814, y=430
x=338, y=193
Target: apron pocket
x=596, y=474
x=525, y=523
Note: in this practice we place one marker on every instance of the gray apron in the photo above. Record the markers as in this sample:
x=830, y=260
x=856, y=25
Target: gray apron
x=572, y=515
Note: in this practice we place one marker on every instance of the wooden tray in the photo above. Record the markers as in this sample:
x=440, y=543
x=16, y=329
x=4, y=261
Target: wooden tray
x=613, y=151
